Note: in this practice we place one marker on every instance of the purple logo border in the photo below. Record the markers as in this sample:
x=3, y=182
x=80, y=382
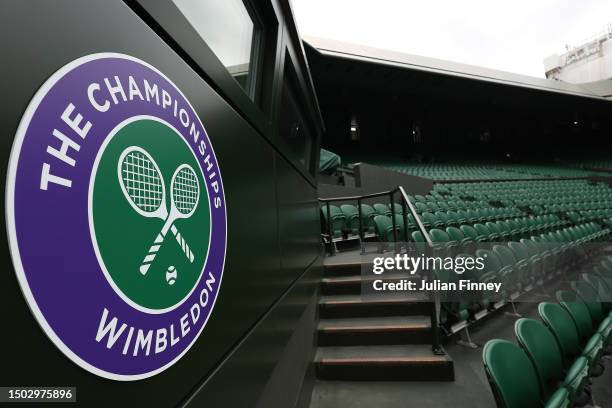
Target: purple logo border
x=78, y=340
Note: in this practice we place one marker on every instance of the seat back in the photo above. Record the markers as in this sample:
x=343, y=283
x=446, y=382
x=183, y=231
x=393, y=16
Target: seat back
x=589, y=296
x=455, y=234
x=520, y=250
x=367, y=217
x=600, y=286
x=438, y=236
x=511, y=375
x=482, y=230
x=469, y=232
x=543, y=350
x=563, y=328
x=338, y=219
x=384, y=228
x=382, y=209
x=578, y=310
x=352, y=217
x=505, y=255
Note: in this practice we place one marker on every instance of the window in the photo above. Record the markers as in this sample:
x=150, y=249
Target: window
x=293, y=125
x=229, y=30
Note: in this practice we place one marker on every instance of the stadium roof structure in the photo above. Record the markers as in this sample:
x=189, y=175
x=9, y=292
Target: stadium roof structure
x=360, y=53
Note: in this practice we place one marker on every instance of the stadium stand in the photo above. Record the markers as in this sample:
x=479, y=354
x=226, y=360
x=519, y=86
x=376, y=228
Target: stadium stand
x=533, y=224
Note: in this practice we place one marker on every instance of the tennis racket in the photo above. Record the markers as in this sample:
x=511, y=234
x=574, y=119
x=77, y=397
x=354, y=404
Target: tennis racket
x=143, y=186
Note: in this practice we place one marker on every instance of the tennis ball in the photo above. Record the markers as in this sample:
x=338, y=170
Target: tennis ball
x=171, y=275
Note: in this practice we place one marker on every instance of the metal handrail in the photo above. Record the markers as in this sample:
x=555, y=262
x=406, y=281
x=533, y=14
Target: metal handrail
x=436, y=304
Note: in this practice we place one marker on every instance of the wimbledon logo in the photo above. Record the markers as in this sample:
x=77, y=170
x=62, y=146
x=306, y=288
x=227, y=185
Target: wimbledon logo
x=116, y=216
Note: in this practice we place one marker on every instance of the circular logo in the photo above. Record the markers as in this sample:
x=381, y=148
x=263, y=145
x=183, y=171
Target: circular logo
x=116, y=216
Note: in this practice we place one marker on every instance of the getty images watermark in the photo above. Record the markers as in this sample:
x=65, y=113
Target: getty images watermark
x=396, y=265
x=477, y=272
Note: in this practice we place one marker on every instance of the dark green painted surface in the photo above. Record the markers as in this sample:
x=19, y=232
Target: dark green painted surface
x=272, y=220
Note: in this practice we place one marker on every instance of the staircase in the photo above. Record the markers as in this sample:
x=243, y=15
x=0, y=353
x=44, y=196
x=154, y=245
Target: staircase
x=387, y=337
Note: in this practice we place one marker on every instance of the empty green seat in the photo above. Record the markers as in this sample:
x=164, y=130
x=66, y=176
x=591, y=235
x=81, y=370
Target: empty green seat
x=421, y=207
x=543, y=350
x=352, y=217
x=485, y=232
x=367, y=217
x=398, y=209
x=441, y=219
x=384, y=228
x=471, y=233
x=582, y=318
x=338, y=220
x=561, y=324
x=382, y=209
x=428, y=219
x=440, y=238
x=524, y=262
x=513, y=378
x=457, y=236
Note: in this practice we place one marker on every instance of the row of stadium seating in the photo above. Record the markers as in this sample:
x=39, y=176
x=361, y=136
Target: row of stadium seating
x=491, y=171
x=470, y=203
x=555, y=358
x=521, y=266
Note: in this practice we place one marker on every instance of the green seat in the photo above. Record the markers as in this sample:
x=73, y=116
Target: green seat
x=419, y=240
x=564, y=328
x=604, y=273
x=507, y=231
x=513, y=378
x=457, y=236
x=441, y=219
x=495, y=229
x=454, y=218
x=589, y=296
x=471, y=233
x=399, y=224
x=398, y=209
x=582, y=318
x=428, y=219
x=338, y=220
x=367, y=218
x=542, y=348
x=491, y=272
x=421, y=207
x=384, y=228
x=510, y=272
x=485, y=232
x=523, y=261
x=440, y=238
x=382, y=209
x=352, y=217
x=602, y=288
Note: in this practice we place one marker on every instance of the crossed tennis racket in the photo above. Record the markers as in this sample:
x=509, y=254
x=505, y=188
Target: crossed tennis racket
x=143, y=186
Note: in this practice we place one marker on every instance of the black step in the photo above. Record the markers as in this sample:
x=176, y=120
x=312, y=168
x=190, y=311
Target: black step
x=383, y=363
x=374, y=331
x=340, y=306
x=342, y=269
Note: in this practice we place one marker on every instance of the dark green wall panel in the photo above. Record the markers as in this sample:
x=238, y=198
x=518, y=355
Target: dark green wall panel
x=299, y=223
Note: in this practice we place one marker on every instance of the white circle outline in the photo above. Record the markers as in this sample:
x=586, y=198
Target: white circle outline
x=92, y=230
x=12, y=232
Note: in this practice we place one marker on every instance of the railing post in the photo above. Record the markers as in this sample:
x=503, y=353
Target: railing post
x=393, y=220
x=436, y=304
x=405, y=220
x=361, y=234
x=329, y=230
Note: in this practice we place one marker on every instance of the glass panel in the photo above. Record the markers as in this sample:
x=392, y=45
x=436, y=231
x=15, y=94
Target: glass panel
x=229, y=31
x=293, y=128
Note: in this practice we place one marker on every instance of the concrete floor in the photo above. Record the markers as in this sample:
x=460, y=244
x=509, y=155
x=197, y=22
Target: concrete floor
x=470, y=389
